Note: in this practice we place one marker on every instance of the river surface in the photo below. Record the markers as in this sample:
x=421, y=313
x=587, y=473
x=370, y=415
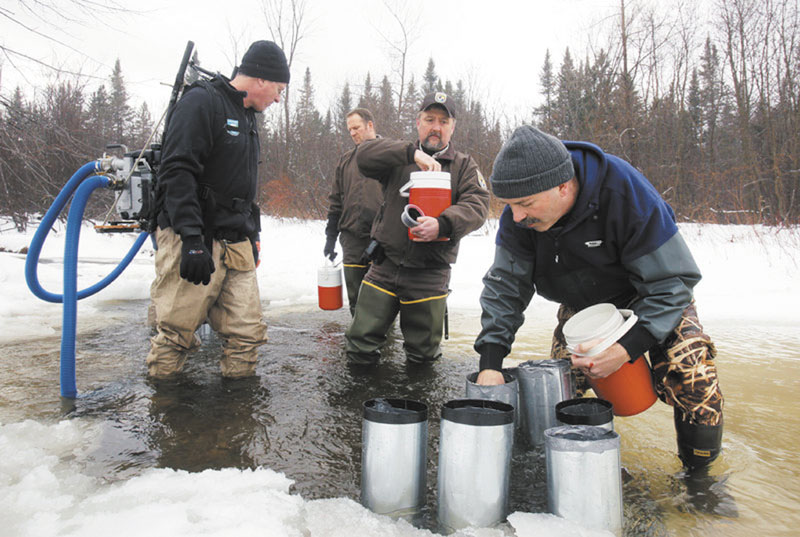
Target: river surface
x=302, y=416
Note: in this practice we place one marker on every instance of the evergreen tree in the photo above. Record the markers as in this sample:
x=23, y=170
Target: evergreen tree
x=343, y=107
x=307, y=124
x=307, y=153
x=695, y=106
x=121, y=112
x=548, y=91
x=567, y=99
x=368, y=99
x=430, y=79
x=710, y=95
x=409, y=111
x=385, y=113
x=460, y=95
x=447, y=88
x=98, y=119
x=15, y=113
x=306, y=111
x=142, y=127
x=597, y=81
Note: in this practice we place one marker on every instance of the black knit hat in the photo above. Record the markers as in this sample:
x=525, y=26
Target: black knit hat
x=265, y=60
x=530, y=162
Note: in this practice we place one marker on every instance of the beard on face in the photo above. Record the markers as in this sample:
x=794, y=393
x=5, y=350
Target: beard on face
x=427, y=145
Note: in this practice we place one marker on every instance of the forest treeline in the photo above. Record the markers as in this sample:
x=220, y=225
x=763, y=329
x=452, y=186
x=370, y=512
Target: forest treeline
x=712, y=118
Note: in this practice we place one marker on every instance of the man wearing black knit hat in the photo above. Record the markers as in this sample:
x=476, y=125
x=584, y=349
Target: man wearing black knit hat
x=583, y=227
x=208, y=223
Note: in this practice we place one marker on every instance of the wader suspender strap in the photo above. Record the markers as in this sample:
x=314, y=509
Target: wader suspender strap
x=208, y=206
x=446, y=321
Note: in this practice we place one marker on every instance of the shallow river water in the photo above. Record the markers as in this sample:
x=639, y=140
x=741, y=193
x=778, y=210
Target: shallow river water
x=302, y=416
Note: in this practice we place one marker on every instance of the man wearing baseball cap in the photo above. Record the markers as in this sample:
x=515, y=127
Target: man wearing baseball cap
x=410, y=277
x=208, y=221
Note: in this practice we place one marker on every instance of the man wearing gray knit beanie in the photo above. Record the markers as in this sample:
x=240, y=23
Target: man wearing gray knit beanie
x=583, y=227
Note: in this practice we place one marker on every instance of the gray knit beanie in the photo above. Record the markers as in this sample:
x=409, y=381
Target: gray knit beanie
x=530, y=162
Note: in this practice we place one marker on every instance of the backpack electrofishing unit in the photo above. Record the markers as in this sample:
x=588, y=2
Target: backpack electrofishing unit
x=135, y=175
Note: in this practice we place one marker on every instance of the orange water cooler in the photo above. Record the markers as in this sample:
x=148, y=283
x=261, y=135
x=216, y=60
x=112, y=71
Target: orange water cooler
x=329, y=286
x=429, y=193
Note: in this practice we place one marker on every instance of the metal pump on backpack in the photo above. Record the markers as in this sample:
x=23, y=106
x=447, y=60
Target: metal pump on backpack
x=135, y=174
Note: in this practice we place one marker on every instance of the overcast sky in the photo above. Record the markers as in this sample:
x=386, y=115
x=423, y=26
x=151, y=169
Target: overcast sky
x=496, y=48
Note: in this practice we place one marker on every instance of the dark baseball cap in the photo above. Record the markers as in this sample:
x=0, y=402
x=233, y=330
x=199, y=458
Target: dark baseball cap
x=439, y=98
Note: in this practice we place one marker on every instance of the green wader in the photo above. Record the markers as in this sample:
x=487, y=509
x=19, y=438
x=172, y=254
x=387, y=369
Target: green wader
x=422, y=324
x=353, y=274
x=374, y=313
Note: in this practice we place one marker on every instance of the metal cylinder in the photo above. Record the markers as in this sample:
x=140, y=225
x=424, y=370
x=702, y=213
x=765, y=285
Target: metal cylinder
x=586, y=411
x=475, y=444
x=505, y=393
x=542, y=384
x=394, y=456
x=584, y=482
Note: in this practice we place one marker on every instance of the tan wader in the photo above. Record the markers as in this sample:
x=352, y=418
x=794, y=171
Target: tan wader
x=230, y=303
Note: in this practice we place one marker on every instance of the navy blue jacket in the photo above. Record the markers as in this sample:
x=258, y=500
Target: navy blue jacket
x=619, y=244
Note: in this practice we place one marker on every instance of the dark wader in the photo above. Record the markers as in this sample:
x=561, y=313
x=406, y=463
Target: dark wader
x=418, y=295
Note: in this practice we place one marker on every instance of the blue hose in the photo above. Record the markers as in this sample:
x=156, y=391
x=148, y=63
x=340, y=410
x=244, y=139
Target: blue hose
x=35, y=249
x=83, y=188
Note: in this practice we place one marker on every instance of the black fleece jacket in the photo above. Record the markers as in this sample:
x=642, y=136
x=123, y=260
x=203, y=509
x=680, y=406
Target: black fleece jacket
x=211, y=144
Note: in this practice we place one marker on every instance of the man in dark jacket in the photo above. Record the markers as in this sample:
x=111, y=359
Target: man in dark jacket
x=354, y=201
x=412, y=276
x=582, y=227
x=209, y=222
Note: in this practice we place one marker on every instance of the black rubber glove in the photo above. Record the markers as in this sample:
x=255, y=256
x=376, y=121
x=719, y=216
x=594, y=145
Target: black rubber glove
x=330, y=246
x=196, y=262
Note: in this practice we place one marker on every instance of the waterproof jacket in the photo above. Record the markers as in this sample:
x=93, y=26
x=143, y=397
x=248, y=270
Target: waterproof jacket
x=391, y=162
x=618, y=244
x=354, y=200
x=209, y=163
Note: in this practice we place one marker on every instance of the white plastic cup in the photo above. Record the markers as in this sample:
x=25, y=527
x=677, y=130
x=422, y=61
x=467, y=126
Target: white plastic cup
x=630, y=388
x=602, y=323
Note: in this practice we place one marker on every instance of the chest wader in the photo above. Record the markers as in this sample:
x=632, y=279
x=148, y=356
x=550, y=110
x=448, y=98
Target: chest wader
x=353, y=274
x=355, y=263
x=375, y=311
x=422, y=324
